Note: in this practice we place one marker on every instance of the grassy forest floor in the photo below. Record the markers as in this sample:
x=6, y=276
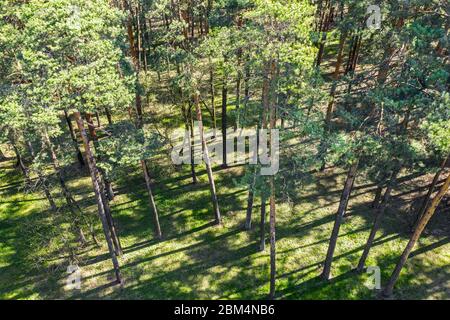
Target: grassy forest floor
x=199, y=261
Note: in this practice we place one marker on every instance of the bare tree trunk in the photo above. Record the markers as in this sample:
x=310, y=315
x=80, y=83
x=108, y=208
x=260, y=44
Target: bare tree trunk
x=20, y=163
x=272, y=95
x=339, y=216
x=212, y=93
x=109, y=191
x=101, y=211
x=74, y=140
x=388, y=290
x=224, y=122
x=108, y=115
x=152, y=200
x=272, y=239
x=427, y=199
x=212, y=185
x=190, y=130
x=376, y=200
x=106, y=191
x=379, y=215
x=340, y=55
x=262, y=226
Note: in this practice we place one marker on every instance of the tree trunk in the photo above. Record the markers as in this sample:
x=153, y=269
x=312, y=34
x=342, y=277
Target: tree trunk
x=376, y=200
x=339, y=216
x=272, y=95
x=272, y=239
x=330, y=107
x=21, y=164
x=106, y=191
x=427, y=199
x=109, y=191
x=340, y=55
x=262, y=226
x=212, y=185
x=152, y=200
x=74, y=139
x=415, y=236
x=101, y=210
x=224, y=122
x=108, y=115
x=379, y=215
x=187, y=124
x=212, y=93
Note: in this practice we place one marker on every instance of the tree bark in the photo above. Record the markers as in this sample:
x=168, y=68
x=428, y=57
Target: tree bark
x=272, y=95
x=272, y=239
x=339, y=216
x=212, y=93
x=212, y=185
x=224, y=122
x=378, y=216
x=101, y=210
x=427, y=199
x=152, y=200
x=262, y=226
x=187, y=124
x=340, y=55
x=376, y=200
x=74, y=140
x=388, y=290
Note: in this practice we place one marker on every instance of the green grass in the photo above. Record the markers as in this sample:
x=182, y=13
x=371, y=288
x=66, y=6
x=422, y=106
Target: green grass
x=197, y=260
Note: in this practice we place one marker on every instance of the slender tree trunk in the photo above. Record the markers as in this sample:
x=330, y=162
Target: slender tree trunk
x=272, y=99
x=376, y=200
x=152, y=200
x=340, y=55
x=106, y=191
x=108, y=115
x=415, y=236
x=426, y=200
x=330, y=108
x=212, y=185
x=21, y=164
x=224, y=122
x=101, y=210
x=187, y=124
x=262, y=225
x=212, y=93
x=378, y=216
x=93, y=134
x=74, y=140
x=272, y=239
x=339, y=216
